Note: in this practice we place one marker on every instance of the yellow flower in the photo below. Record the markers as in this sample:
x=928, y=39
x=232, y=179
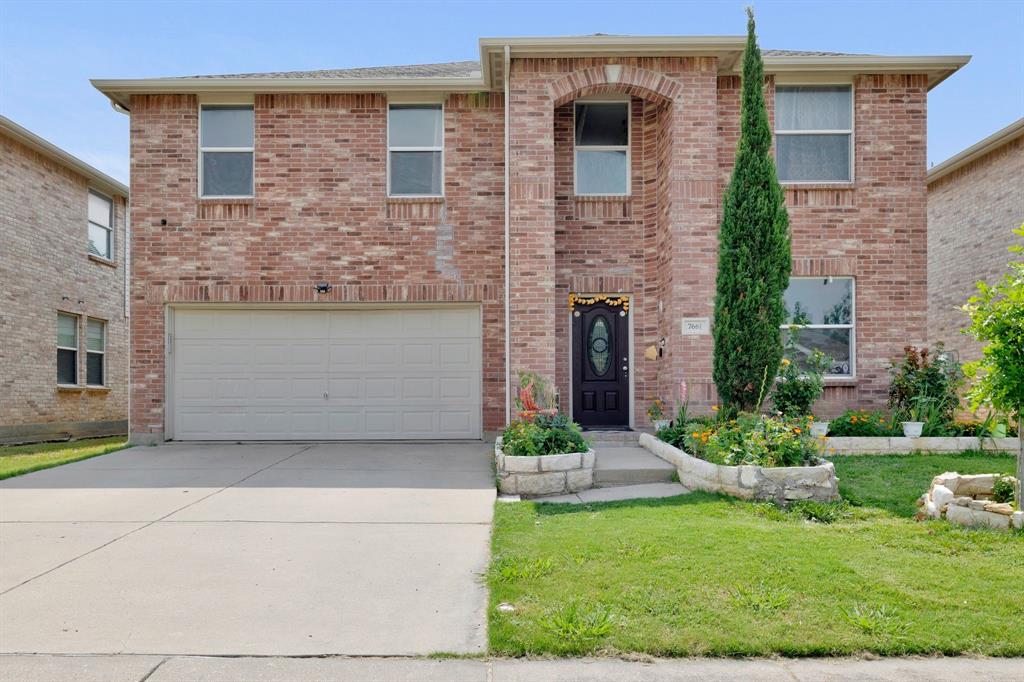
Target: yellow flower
x=785, y=362
x=694, y=434
x=797, y=430
x=714, y=408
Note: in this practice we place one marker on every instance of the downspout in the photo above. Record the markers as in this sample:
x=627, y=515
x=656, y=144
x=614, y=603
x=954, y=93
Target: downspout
x=508, y=303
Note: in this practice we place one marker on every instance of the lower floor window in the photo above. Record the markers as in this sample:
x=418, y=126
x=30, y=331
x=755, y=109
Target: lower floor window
x=820, y=316
x=95, y=350
x=67, y=349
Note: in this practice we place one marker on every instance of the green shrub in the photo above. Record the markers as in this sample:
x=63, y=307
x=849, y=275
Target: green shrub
x=799, y=384
x=754, y=439
x=924, y=378
x=1002, y=489
x=864, y=424
x=822, y=512
x=546, y=435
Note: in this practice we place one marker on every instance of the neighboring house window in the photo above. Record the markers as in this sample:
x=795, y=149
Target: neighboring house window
x=95, y=349
x=814, y=133
x=820, y=313
x=415, y=150
x=67, y=349
x=101, y=221
x=602, y=148
x=226, y=151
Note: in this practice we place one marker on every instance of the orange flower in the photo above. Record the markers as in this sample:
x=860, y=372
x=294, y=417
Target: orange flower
x=694, y=434
x=797, y=430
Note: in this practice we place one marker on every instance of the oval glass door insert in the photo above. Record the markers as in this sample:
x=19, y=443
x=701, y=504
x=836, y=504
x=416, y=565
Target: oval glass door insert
x=599, y=349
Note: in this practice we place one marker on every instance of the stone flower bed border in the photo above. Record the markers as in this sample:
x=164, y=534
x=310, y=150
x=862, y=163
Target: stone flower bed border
x=966, y=500
x=749, y=482
x=533, y=476
x=899, y=445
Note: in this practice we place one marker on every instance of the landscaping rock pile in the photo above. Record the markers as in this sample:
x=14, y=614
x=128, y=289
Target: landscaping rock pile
x=966, y=500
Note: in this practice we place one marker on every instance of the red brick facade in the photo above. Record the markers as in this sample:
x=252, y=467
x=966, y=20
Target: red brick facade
x=45, y=268
x=321, y=212
x=971, y=214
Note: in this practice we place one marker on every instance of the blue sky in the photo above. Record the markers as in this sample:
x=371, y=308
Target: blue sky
x=50, y=50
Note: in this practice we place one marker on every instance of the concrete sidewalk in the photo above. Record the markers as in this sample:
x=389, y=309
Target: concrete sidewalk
x=45, y=668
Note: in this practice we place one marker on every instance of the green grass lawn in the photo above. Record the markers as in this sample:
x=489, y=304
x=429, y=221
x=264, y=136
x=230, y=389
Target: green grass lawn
x=22, y=459
x=709, y=575
x=894, y=482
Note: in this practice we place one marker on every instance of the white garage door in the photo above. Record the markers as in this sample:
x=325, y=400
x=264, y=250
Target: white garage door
x=326, y=374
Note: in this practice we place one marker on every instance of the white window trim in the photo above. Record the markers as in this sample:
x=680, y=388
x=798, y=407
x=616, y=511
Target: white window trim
x=78, y=342
x=387, y=133
x=852, y=326
x=96, y=352
x=110, y=230
x=250, y=150
x=605, y=148
x=851, y=132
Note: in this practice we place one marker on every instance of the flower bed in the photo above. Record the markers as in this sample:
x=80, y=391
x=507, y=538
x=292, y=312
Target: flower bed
x=534, y=475
x=749, y=482
x=977, y=500
x=543, y=455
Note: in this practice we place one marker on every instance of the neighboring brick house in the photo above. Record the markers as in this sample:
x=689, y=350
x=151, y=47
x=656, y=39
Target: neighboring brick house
x=64, y=356
x=975, y=201
x=323, y=254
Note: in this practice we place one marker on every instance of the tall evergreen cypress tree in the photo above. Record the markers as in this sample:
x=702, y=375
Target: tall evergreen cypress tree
x=753, y=254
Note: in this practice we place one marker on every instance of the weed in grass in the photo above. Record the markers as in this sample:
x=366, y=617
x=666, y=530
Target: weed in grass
x=768, y=510
x=510, y=569
x=761, y=598
x=822, y=512
x=876, y=621
x=579, y=626
x=651, y=601
x=633, y=550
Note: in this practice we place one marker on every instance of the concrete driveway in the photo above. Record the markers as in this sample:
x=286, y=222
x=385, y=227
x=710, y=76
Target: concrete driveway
x=258, y=549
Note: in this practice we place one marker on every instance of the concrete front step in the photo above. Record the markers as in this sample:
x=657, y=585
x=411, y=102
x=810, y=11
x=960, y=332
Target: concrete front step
x=599, y=437
x=629, y=465
x=646, y=491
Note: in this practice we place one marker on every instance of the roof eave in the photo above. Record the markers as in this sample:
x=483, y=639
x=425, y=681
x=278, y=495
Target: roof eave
x=937, y=68
x=120, y=91
x=96, y=177
x=977, y=150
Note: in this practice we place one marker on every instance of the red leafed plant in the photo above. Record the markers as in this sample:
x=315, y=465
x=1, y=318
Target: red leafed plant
x=536, y=396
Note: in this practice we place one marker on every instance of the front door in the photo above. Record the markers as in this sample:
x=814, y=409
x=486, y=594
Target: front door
x=600, y=373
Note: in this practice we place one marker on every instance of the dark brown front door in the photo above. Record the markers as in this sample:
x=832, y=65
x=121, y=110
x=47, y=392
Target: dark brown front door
x=600, y=373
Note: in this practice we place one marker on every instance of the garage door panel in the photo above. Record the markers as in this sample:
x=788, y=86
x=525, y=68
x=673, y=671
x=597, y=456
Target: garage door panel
x=388, y=374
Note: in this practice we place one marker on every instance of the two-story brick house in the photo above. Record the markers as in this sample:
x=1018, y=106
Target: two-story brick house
x=64, y=356
x=376, y=253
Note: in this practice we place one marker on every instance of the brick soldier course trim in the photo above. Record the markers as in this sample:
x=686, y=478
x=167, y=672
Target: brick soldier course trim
x=320, y=210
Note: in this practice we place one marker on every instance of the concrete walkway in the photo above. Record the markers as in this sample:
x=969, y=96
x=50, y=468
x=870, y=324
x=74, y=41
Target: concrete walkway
x=177, y=668
x=259, y=549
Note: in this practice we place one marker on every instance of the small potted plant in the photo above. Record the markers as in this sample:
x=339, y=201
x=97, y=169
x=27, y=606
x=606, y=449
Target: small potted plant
x=913, y=427
x=656, y=413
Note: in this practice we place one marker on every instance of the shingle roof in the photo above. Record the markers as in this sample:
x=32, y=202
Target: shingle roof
x=465, y=69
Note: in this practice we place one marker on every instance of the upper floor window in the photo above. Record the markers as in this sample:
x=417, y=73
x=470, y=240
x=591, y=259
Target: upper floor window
x=415, y=150
x=814, y=133
x=67, y=349
x=101, y=222
x=226, y=150
x=602, y=148
x=820, y=315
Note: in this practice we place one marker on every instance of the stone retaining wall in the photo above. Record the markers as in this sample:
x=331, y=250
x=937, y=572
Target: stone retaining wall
x=966, y=500
x=543, y=475
x=778, y=484
x=899, y=445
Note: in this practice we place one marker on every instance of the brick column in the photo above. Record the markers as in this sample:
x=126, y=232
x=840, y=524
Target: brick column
x=532, y=223
x=693, y=206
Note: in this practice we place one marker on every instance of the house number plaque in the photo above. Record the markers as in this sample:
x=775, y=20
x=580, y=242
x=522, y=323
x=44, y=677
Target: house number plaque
x=696, y=326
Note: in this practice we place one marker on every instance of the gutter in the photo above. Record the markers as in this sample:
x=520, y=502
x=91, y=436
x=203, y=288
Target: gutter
x=977, y=150
x=508, y=300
